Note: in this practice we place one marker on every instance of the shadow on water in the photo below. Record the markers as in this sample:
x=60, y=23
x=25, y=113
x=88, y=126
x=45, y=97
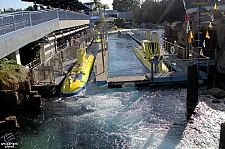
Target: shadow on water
x=169, y=112
x=174, y=135
x=149, y=142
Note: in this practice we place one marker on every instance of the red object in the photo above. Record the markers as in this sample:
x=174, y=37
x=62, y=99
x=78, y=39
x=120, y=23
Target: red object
x=186, y=17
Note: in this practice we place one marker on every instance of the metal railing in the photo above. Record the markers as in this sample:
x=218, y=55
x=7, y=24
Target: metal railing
x=14, y=21
x=53, y=66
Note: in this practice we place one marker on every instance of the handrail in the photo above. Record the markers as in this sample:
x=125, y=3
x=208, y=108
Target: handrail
x=14, y=21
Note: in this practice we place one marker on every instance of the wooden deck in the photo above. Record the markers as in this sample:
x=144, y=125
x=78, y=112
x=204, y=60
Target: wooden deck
x=101, y=73
x=127, y=80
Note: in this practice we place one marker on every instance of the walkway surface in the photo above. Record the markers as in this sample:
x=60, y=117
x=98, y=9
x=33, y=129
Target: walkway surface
x=101, y=71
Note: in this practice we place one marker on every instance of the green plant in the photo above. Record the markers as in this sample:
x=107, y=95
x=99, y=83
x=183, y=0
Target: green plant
x=174, y=24
x=8, y=72
x=102, y=20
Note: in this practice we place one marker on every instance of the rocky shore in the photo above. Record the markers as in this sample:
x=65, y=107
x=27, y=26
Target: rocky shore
x=17, y=98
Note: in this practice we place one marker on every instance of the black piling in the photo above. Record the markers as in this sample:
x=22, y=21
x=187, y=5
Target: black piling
x=222, y=136
x=192, y=90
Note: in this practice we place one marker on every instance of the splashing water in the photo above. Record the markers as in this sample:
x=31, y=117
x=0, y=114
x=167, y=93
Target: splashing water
x=129, y=118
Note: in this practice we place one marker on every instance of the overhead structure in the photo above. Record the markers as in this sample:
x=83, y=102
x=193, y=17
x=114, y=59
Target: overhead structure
x=63, y=4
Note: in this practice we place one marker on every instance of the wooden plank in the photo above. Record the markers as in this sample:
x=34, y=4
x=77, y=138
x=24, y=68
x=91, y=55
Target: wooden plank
x=126, y=79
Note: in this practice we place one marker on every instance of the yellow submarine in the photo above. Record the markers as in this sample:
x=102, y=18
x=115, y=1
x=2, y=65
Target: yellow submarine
x=97, y=37
x=77, y=78
x=149, y=54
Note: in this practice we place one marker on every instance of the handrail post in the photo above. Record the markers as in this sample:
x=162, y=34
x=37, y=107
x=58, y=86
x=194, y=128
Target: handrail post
x=14, y=23
x=30, y=19
x=3, y=25
x=57, y=13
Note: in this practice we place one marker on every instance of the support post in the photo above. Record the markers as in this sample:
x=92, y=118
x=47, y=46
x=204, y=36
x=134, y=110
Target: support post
x=165, y=45
x=154, y=36
x=148, y=34
x=50, y=73
x=152, y=71
x=222, y=137
x=103, y=65
x=192, y=89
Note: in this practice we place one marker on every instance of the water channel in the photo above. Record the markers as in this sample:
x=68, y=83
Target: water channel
x=124, y=118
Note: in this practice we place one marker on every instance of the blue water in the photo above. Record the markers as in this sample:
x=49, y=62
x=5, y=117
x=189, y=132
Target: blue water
x=125, y=118
x=122, y=60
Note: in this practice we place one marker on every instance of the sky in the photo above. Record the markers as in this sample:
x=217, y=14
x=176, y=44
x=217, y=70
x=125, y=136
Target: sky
x=15, y=4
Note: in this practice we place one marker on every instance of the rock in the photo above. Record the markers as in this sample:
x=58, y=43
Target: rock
x=176, y=29
x=220, y=30
x=200, y=82
x=11, y=122
x=217, y=93
x=221, y=63
x=143, y=25
x=168, y=31
x=22, y=87
x=32, y=93
x=36, y=101
x=215, y=101
x=2, y=125
x=10, y=98
x=217, y=14
x=182, y=38
x=222, y=20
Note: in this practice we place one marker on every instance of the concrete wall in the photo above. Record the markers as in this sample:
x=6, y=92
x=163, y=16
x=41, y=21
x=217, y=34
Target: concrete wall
x=72, y=23
x=13, y=41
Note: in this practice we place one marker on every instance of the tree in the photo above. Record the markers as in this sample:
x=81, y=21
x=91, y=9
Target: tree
x=96, y=2
x=159, y=11
x=10, y=10
x=125, y=5
x=8, y=73
x=137, y=15
x=98, y=5
x=30, y=8
x=29, y=53
x=105, y=6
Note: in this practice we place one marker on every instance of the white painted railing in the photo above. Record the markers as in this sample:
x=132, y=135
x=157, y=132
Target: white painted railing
x=14, y=21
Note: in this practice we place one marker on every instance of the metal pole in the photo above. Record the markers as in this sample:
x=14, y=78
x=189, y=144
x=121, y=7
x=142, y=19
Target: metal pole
x=199, y=30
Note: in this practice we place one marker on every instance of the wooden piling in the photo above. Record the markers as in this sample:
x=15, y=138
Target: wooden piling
x=222, y=137
x=192, y=89
x=152, y=74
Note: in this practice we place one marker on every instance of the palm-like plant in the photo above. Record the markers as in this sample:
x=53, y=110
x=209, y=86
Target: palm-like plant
x=98, y=5
x=105, y=6
x=8, y=73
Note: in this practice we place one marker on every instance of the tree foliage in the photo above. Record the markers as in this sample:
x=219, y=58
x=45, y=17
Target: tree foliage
x=30, y=8
x=125, y=5
x=157, y=12
x=152, y=10
x=8, y=73
x=104, y=7
x=119, y=23
x=29, y=53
